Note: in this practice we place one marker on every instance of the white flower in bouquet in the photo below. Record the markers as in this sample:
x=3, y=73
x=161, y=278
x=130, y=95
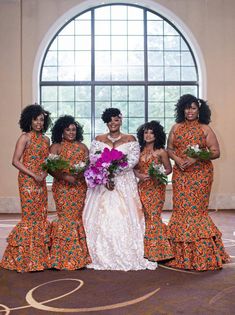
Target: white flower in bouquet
x=194, y=151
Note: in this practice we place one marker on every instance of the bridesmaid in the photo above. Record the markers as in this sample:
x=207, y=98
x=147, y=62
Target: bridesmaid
x=28, y=243
x=69, y=249
x=196, y=241
x=152, y=139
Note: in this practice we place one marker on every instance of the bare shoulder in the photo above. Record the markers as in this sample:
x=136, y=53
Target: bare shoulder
x=24, y=138
x=175, y=127
x=47, y=139
x=128, y=138
x=83, y=146
x=101, y=137
x=207, y=129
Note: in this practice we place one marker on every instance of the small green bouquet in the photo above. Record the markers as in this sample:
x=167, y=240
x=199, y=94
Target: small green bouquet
x=158, y=172
x=55, y=163
x=78, y=168
x=194, y=151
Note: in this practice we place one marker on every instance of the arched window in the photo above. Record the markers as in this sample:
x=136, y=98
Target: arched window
x=117, y=55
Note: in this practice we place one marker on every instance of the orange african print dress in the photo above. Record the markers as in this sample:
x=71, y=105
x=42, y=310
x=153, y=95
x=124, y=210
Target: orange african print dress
x=28, y=243
x=69, y=249
x=152, y=196
x=196, y=241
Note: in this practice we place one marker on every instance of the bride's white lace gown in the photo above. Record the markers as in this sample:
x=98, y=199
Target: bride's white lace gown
x=114, y=221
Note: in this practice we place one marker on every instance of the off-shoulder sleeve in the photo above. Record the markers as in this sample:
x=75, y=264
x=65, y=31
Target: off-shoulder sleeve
x=133, y=154
x=95, y=146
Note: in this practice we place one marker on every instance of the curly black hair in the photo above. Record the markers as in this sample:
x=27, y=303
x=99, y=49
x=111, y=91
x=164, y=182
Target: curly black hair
x=158, y=131
x=185, y=101
x=60, y=125
x=109, y=113
x=31, y=112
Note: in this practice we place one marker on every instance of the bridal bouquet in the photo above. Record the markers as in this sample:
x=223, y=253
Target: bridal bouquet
x=54, y=163
x=194, y=151
x=158, y=172
x=104, y=166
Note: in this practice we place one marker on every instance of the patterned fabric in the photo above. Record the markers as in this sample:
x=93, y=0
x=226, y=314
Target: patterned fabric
x=28, y=243
x=156, y=242
x=69, y=249
x=195, y=239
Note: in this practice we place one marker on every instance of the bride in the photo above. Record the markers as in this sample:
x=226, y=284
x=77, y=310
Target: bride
x=113, y=218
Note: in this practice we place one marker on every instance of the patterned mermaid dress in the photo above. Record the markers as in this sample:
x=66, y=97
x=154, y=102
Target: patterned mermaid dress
x=196, y=241
x=69, y=249
x=156, y=241
x=28, y=243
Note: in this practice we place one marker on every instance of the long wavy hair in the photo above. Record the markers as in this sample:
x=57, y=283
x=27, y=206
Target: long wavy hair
x=60, y=125
x=31, y=112
x=158, y=131
x=185, y=101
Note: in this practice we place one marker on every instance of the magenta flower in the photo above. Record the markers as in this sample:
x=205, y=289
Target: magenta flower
x=104, y=165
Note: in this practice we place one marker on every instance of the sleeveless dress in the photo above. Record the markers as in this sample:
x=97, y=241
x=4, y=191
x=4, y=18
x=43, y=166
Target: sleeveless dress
x=156, y=241
x=195, y=239
x=69, y=249
x=28, y=243
x=114, y=221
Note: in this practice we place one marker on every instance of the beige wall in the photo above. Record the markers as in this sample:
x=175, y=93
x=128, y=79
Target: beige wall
x=23, y=26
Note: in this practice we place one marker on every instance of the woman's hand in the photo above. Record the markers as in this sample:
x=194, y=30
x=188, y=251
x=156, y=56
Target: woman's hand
x=110, y=185
x=143, y=177
x=184, y=163
x=40, y=178
x=70, y=178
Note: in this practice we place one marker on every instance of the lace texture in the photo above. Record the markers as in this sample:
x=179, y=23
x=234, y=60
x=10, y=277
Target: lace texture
x=114, y=221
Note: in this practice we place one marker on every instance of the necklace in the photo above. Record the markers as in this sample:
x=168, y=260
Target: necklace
x=112, y=139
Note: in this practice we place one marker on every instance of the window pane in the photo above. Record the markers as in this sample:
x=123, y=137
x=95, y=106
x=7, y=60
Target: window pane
x=136, y=73
x=66, y=73
x=135, y=28
x=117, y=51
x=51, y=59
x=155, y=73
x=49, y=93
x=82, y=73
x=155, y=42
x=119, y=27
x=66, y=93
x=102, y=42
x=188, y=74
x=66, y=58
x=135, y=58
x=155, y=27
x=156, y=109
x=156, y=93
x=51, y=107
x=136, y=93
x=136, y=109
x=66, y=42
x=83, y=93
x=83, y=109
x=66, y=108
x=119, y=93
x=155, y=58
x=119, y=42
x=172, y=73
x=82, y=27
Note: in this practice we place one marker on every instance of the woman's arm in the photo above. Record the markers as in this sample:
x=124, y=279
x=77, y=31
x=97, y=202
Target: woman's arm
x=166, y=161
x=212, y=143
x=20, y=147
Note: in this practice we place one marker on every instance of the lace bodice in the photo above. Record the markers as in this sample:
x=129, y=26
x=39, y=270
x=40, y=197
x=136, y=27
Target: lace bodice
x=131, y=149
